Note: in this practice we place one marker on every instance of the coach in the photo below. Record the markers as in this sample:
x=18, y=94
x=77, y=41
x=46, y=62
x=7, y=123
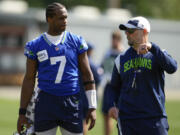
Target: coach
x=138, y=82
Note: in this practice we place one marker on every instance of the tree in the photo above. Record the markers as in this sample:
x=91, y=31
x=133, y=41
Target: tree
x=167, y=9
x=68, y=3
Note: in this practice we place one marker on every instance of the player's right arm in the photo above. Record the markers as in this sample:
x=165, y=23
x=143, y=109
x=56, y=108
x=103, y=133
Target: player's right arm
x=26, y=91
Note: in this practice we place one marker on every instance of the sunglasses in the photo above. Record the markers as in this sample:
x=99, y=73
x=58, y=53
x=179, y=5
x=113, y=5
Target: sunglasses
x=131, y=31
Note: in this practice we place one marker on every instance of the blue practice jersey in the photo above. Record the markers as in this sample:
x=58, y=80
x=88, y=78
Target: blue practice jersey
x=57, y=64
x=138, y=83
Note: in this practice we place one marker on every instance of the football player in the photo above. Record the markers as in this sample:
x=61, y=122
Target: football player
x=57, y=56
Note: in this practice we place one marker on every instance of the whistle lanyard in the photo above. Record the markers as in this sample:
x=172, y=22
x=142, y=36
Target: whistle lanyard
x=134, y=79
x=136, y=70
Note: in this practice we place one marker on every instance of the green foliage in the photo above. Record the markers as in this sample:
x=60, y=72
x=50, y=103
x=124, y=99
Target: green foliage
x=9, y=113
x=68, y=3
x=167, y=9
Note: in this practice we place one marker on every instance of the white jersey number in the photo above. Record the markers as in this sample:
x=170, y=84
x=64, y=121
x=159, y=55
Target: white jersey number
x=53, y=61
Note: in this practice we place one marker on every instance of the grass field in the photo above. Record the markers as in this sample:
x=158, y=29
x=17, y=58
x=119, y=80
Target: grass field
x=9, y=111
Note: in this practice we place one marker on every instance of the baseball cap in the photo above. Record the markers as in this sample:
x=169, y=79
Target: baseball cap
x=136, y=23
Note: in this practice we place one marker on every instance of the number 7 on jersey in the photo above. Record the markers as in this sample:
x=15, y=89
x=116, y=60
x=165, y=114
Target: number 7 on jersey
x=53, y=61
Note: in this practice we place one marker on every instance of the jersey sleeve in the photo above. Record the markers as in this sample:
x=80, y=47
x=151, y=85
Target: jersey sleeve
x=82, y=45
x=29, y=51
x=165, y=61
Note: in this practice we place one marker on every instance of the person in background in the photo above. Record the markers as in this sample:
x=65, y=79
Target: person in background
x=107, y=65
x=96, y=69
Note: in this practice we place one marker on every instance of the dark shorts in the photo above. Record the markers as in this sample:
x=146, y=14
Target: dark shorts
x=155, y=126
x=52, y=111
x=106, y=105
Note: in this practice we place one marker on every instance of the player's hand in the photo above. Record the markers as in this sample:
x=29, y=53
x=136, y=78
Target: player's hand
x=113, y=112
x=144, y=48
x=22, y=121
x=91, y=116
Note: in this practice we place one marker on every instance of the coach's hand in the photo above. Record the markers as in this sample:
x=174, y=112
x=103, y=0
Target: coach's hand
x=91, y=116
x=22, y=121
x=144, y=48
x=113, y=112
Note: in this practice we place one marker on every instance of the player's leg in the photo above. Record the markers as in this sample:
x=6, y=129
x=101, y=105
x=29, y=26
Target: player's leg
x=48, y=132
x=73, y=118
x=108, y=122
x=65, y=132
x=45, y=118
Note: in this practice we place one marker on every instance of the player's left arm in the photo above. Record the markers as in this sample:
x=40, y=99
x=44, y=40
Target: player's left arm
x=89, y=86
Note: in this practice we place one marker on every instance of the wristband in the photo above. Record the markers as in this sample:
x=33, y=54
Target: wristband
x=89, y=82
x=91, y=97
x=22, y=111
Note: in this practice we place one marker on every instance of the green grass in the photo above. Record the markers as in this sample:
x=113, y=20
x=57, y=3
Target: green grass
x=9, y=113
x=8, y=116
x=173, y=112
